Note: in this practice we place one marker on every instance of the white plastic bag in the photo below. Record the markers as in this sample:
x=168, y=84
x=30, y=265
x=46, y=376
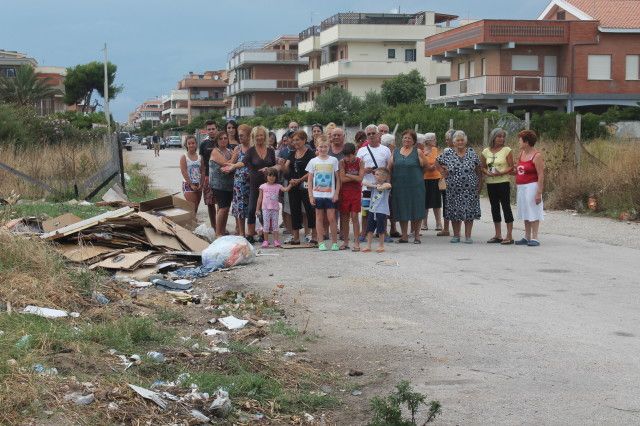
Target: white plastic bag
x=205, y=232
x=228, y=251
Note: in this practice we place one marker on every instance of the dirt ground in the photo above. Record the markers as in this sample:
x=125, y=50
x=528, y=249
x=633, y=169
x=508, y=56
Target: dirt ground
x=500, y=335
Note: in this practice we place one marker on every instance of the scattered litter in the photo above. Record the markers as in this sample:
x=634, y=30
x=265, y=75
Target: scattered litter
x=233, y=323
x=150, y=395
x=205, y=232
x=184, y=298
x=183, y=378
x=308, y=418
x=45, y=312
x=79, y=399
x=173, y=285
x=74, y=314
x=211, y=321
x=195, y=272
x=289, y=354
x=387, y=262
x=221, y=405
x=156, y=356
x=170, y=396
x=140, y=284
x=113, y=406
x=43, y=371
x=136, y=358
x=195, y=395
x=220, y=350
x=228, y=251
x=2, y=332
x=101, y=298
x=356, y=392
x=355, y=373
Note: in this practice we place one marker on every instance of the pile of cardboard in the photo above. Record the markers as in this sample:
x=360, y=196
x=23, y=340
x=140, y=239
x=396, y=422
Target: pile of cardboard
x=139, y=242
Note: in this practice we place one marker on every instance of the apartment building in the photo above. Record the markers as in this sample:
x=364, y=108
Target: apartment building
x=359, y=51
x=150, y=110
x=11, y=60
x=175, y=107
x=577, y=55
x=205, y=92
x=264, y=73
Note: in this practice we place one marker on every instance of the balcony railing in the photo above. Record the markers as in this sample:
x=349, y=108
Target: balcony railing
x=312, y=31
x=260, y=85
x=498, y=85
x=373, y=18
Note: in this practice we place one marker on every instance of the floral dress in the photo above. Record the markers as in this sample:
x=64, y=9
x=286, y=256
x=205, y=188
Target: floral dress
x=240, y=206
x=462, y=202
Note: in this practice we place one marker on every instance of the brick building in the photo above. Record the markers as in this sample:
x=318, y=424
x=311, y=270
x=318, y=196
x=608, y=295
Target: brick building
x=578, y=54
x=264, y=73
x=204, y=93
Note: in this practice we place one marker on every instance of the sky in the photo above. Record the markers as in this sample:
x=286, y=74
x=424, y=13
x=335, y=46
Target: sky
x=155, y=43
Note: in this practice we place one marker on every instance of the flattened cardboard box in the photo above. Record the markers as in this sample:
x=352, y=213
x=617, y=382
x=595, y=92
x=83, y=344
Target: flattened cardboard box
x=174, y=207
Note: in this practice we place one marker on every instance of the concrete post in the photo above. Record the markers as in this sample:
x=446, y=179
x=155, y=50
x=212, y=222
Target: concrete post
x=578, y=138
x=527, y=120
x=485, y=133
x=451, y=123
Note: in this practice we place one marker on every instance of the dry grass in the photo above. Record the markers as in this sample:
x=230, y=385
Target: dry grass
x=59, y=166
x=32, y=273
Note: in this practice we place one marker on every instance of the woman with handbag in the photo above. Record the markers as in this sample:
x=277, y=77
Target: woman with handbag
x=432, y=177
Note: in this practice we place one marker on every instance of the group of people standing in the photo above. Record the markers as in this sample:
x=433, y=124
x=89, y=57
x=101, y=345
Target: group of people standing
x=322, y=181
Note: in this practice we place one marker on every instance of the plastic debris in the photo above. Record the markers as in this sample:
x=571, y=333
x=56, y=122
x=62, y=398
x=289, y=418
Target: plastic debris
x=79, y=399
x=173, y=285
x=197, y=415
x=308, y=418
x=220, y=350
x=221, y=405
x=356, y=392
x=74, y=314
x=24, y=342
x=43, y=371
x=156, y=356
x=233, y=323
x=228, y=251
x=289, y=354
x=206, y=232
x=150, y=395
x=113, y=406
x=183, y=378
x=101, y=298
x=140, y=284
x=45, y=312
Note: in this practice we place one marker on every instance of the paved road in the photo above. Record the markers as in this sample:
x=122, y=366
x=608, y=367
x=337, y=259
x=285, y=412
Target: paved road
x=500, y=335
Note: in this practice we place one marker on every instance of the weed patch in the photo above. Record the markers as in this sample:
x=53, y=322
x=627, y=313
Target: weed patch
x=388, y=411
x=282, y=328
x=139, y=186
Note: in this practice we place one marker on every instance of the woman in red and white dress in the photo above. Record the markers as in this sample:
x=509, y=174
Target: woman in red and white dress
x=530, y=183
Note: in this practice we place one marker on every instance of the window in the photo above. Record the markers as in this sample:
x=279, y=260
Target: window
x=599, y=67
x=633, y=67
x=472, y=69
x=561, y=16
x=483, y=62
x=391, y=53
x=462, y=68
x=9, y=72
x=410, y=55
x=524, y=63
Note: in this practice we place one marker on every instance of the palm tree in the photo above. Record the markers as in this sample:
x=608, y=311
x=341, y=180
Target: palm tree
x=25, y=88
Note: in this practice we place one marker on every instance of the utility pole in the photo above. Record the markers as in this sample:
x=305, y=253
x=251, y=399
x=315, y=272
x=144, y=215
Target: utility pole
x=106, y=91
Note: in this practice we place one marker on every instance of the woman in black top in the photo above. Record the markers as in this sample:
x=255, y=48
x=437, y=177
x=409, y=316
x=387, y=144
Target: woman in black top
x=258, y=159
x=298, y=195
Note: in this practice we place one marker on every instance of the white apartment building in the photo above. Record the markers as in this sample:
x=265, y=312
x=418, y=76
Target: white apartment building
x=175, y=107
x=359, y=51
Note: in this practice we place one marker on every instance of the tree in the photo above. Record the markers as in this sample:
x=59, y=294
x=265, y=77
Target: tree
x=25, y=88
x=82, y=80
x=338, y=105
x=404, y=89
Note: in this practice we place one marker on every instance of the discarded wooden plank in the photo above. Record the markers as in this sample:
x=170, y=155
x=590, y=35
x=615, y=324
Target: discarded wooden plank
x=84, y=224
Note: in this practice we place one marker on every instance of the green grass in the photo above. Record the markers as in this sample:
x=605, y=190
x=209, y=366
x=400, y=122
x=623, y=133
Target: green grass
x=127, y=334
x=168, y=315
x=138, y=187
x=281, y=327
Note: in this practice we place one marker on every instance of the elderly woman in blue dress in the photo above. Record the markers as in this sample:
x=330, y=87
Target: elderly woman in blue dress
x=462, y=170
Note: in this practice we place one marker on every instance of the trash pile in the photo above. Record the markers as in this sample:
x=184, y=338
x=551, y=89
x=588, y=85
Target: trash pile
x=140, y=242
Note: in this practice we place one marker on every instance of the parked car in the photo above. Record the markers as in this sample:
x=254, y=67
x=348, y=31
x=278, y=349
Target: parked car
x=174, y=142
x=149, y=142
x=125, y=140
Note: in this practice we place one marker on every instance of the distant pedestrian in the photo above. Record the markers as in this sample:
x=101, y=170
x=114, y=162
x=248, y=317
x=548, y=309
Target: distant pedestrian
x=497, y=165
x=190, y=169
x=530, y=182
x=155, y=139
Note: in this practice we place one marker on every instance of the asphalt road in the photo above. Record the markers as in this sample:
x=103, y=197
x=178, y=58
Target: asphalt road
x=499, y=335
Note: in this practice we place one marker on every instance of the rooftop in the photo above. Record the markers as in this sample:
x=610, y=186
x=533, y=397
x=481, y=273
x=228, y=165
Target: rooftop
x=614, y=14
x=274, y=44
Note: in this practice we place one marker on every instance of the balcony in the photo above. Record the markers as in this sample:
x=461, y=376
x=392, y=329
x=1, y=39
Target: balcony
x=370, y=69
x=242, y=112
x=265, y=56
x=207, y=102
x=309, y=41
x=500, y=85
x=262, y=86
x=309, y=77
x=175, y=111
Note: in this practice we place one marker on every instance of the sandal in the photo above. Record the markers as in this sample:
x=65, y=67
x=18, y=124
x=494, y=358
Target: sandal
x=395, y=234
x=438, y=228
x=494, y=240
x=294, y=243
x=379, y=250
x=443, y=234
x=344, y=247
x=417, y=241
x=401, y=241
x=356, y=249
x=506, y=242
x=366, y=250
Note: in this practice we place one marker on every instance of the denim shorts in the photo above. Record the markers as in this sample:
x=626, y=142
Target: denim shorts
x=325, y=203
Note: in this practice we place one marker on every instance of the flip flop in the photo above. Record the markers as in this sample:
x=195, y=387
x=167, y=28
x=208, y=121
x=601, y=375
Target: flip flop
x=443, y=234
x=365, y=250
x=438, y=228
x=343, y=247
x=506, y=242
x=401, y=241
x=417, y=242
x=494, y=240
x=380, y=250
x=355, y=249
